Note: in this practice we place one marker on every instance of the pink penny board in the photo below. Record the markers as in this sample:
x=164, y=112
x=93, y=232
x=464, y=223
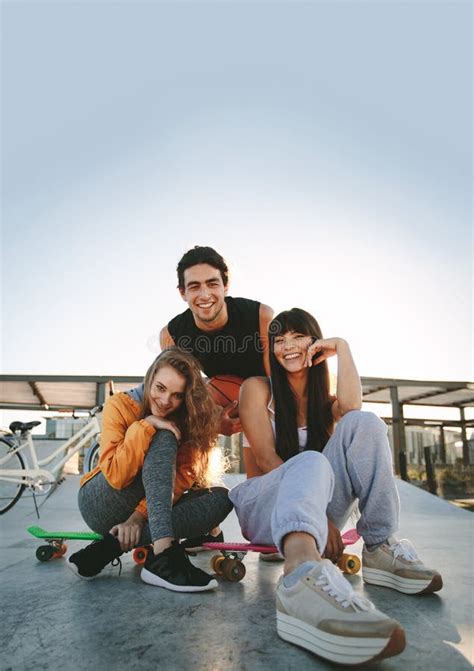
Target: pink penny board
x=241, y=547
x=349, y=537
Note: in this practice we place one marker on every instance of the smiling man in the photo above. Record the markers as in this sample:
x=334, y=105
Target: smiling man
x=228, y=335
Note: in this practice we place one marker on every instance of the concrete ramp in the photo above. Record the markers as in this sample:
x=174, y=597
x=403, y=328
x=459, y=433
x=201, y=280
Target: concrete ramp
x=53, y=620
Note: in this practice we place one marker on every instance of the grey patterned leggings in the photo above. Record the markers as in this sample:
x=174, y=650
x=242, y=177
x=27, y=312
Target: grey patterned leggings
x=196, y=512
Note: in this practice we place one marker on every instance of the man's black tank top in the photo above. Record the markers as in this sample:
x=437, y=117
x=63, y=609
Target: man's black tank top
x=233, y=350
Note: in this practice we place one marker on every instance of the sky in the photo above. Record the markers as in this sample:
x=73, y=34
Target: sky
x=325, y=149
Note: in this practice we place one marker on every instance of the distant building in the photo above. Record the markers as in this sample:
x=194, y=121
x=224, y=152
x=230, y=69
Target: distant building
x=419, y=437
x=64, y=427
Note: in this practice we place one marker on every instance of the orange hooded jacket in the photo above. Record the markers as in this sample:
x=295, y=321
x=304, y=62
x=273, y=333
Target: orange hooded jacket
x=124, y=442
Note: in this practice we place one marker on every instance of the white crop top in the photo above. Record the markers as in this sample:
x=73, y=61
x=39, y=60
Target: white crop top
x=302, y=430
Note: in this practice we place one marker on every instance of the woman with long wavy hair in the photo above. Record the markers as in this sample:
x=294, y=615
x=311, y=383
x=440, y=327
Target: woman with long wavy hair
x=152, y=482
x=310, y=457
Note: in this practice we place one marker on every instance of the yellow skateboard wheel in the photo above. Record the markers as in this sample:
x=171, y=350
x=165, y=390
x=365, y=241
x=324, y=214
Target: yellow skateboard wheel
x=216, y=564
x=349, y=564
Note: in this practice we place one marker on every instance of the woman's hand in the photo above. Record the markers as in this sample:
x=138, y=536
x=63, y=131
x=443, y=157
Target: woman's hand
x=129, y=532
x=159, y=423
x=334, y=545
x=322, y=349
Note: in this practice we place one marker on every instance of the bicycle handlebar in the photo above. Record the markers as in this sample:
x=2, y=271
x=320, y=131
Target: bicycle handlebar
x=95, y=410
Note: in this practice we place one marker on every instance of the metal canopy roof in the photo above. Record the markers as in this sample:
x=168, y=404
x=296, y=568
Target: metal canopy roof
x=69, y=392
x=53, y=392
x=413, y=392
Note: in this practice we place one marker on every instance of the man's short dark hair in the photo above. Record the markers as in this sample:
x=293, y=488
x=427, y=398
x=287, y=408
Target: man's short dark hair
x=198, y=255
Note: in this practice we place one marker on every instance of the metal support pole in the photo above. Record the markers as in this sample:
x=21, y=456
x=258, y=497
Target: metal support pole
x=398, y=427
x=442, y=445
x=465, y=445
x=101, y=393
x=430, y=471
x=241, y=453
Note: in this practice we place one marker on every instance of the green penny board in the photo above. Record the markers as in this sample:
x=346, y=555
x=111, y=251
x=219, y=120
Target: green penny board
x=38, y=532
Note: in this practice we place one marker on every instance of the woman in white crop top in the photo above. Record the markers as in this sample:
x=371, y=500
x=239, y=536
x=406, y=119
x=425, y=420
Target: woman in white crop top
x=311, y=458
x=293, y=410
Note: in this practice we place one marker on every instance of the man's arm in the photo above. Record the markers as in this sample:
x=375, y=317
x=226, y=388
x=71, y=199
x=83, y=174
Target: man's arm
x=165, y=339
x=265, y=317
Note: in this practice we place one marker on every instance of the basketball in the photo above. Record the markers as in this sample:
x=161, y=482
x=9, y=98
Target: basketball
x=225, y=389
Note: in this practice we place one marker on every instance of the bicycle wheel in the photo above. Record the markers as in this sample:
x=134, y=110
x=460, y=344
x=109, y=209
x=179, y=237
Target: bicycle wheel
x=91, y=460
x=10, y=492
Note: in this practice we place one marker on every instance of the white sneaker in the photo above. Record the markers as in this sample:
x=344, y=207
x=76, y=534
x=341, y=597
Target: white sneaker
x=395, y=564
x=323, y=614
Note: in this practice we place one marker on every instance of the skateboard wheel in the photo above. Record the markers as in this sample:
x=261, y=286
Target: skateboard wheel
x=233, y=570
x=216, y=564
x=60, y=551
x=349, y=564
x=44, y=553
x=139, y=555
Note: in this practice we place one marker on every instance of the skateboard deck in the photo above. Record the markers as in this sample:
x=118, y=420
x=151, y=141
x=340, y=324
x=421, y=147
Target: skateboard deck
x=229, y=562
x=55, y=541
x=241, y=547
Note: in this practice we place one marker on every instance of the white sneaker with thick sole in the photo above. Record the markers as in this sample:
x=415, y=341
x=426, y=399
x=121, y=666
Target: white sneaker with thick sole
x=395, y=564
x=323, y=614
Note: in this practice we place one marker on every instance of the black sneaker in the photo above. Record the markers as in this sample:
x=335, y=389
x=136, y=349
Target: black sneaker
x=172, y=570
x=195, y=544
x=89, y=562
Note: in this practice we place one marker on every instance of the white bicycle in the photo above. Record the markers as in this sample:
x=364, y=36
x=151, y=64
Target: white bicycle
x=21, y=469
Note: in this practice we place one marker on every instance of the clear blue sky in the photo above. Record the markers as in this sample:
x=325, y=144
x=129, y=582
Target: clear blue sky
x=324, y=148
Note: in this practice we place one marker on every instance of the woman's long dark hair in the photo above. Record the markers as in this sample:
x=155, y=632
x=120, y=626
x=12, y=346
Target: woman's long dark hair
x=320, y=423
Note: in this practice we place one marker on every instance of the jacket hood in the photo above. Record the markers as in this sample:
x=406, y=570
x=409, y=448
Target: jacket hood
x=137, y=393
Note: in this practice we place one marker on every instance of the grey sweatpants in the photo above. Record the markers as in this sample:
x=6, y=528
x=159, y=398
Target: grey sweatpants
x=303, y=492
x=195, y=513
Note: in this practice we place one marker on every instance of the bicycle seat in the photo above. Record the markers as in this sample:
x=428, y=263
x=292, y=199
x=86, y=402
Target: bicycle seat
x=20, y=426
